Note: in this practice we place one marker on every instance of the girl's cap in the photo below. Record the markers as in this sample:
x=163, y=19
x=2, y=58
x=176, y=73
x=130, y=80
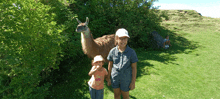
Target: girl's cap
x=98, y=58
x=122, y=32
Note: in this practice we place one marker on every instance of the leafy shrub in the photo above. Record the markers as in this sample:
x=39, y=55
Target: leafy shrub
x=30, y=42
x=71, y=48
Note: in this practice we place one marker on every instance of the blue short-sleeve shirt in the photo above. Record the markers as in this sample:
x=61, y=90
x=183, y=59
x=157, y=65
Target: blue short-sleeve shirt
x=166, y=40
x=122, y=63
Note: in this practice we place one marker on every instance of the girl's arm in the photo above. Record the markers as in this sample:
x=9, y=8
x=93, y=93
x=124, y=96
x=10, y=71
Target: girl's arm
x=163, y=44
x=169, y=43
x=134, y=72
x=106, y=77
x=93, y=70
x=110, y=64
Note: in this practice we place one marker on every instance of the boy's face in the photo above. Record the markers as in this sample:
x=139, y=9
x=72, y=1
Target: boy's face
x=122, y=41
x=167, y=37
x=98, y=63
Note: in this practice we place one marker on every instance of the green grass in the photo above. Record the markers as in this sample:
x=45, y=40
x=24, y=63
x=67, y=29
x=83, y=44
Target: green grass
x=189, y=70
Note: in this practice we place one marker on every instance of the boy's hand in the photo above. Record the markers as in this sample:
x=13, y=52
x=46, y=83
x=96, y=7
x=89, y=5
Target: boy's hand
x=132, y=85
x=95, y=68
x=98, y=67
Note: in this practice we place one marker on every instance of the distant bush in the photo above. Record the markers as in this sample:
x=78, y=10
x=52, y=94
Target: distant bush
x=164, y=14
x=183, y=15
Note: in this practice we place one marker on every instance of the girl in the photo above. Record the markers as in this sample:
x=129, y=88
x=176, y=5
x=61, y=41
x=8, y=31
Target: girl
x=166, y=43
x=122, y=66
x=98, y=73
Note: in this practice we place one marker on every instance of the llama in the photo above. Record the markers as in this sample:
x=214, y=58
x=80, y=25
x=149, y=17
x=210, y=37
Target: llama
x=92, y=47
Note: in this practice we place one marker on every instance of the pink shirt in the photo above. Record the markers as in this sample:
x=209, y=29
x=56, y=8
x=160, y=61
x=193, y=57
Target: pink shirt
x=97, y=79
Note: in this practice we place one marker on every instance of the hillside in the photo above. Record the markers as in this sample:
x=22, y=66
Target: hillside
x=183, y=19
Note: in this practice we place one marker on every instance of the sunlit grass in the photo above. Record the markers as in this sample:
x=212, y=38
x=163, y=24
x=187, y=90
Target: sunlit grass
x=192, y=74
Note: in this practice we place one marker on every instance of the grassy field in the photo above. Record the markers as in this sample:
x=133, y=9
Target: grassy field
x=190, y=69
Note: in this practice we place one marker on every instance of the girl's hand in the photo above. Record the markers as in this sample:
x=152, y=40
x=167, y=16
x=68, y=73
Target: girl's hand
x=132, y=85
x=109, y=82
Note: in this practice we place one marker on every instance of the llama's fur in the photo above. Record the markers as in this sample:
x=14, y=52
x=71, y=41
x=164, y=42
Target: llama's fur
x=98, y=46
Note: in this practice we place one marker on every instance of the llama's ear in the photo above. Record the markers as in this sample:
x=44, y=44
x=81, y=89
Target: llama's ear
x=87, y=20
x=78, y=20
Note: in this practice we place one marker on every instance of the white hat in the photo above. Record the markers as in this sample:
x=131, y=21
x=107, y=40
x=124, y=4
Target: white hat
x=122, y=32
x=98, y=58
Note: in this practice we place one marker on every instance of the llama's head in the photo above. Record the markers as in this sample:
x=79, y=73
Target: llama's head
x=82, y=27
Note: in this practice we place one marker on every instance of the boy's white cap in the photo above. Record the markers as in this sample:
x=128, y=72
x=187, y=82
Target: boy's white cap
x=98, y=58
x=122, y=32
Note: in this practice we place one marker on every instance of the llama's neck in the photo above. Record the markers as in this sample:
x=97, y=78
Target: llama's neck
x=87, y=41
x=86, y=34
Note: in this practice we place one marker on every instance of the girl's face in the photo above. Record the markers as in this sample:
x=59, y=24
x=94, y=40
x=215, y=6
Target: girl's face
x=122, y=41
x=98, y=63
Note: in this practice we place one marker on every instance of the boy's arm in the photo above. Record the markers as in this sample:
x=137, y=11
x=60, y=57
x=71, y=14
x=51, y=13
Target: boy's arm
x=134, y=72
x=92, y=71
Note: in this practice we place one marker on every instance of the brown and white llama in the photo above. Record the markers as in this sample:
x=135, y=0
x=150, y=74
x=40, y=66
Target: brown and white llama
x=92, y=47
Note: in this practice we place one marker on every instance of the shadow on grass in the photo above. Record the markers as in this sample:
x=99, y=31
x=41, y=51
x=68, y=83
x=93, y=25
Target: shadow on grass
x=132, y=97
x=179, y=45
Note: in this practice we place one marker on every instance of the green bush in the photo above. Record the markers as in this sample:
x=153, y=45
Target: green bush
x=71, y=48
x=30, y=43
